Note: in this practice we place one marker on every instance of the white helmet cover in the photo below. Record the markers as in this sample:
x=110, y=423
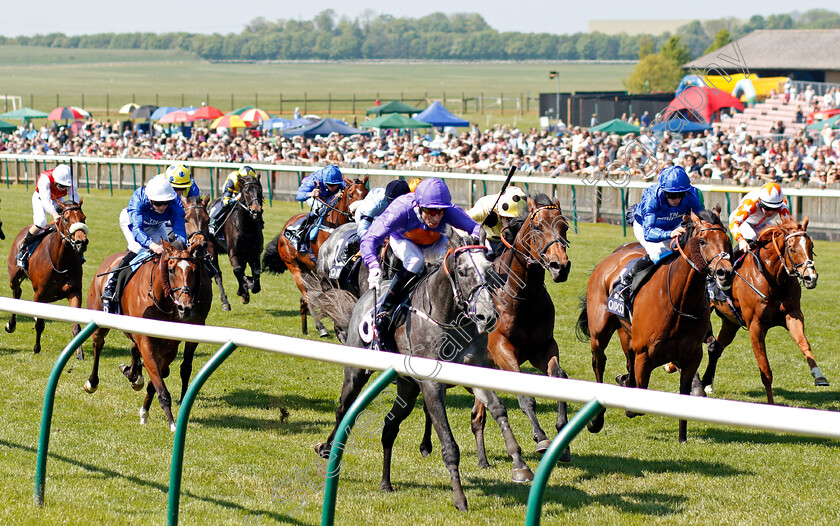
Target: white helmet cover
x=61, y=175
x=159, y=189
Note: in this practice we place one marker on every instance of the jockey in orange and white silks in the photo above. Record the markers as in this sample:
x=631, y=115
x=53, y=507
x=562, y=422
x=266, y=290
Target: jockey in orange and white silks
x=755, y=212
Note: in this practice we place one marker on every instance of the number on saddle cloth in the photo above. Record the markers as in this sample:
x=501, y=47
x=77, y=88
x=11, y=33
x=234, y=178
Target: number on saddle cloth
x=616, y=299
x=344, y=254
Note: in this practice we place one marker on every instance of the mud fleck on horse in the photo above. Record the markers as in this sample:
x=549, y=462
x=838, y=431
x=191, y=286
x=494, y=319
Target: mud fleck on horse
x=671, y=312
x=767, y=294
x=55, y=266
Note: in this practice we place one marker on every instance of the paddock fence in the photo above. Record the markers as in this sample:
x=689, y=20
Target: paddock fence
x=596, y=201
x=809, y=422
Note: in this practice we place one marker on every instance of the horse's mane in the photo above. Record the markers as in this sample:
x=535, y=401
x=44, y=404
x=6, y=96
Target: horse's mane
x=693, y=244
x=178, y=245
x=516, y=223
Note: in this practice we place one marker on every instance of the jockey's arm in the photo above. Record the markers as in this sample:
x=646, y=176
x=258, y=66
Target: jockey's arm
x=306, y=188
x=46, y=197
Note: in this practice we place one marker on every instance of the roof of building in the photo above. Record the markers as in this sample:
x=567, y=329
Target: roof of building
x=794, y=49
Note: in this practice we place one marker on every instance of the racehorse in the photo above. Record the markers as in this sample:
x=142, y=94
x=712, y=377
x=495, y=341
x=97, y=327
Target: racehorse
x=163, y=288
x=767, y=295
x=55, y=266
x=243, y=240
x=281, y=254
x=536, y=242
x=450, y=315
x=671, y=310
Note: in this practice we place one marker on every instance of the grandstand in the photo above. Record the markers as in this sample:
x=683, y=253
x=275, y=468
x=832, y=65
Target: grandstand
x=761, y=117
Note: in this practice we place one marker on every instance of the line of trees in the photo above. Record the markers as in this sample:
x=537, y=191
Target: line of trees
x=464, y=36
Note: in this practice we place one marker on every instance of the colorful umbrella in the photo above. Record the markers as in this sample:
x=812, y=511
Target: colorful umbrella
x=84, y=113
x=254, y=115
x=176, y=116
x=23, y=113
x=64, y=114
x=240, y=111
x=163, y=110
x=128, y=108
x=230, y=121
x=207, y=112
x=189, y=109
x=143, y=112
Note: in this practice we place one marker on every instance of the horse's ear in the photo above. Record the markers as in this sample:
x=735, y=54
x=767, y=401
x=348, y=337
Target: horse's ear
x=347, y=181
x=166, y=246
x=556, y=203
x=532, y=205
x=364, y=180
x=805, y=224
x=716, y=210
x=205, y=200
x=81, y=199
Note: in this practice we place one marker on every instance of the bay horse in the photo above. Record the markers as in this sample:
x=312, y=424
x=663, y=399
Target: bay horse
x=243, y=241
x=163, y=288
x=55, y=266
x=767, y=294
x=671, y=310
x=281, y=254
x=451, y=313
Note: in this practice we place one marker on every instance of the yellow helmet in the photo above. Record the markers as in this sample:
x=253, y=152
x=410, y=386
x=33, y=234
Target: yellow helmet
x=412, y=185
x=245, y=171
x=510, y=202
x=179, y=176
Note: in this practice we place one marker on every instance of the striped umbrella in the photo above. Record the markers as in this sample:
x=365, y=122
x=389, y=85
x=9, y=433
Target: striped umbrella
x=207, y=112
x=63, y=114
x=128, y=108
x=230, y=121
x=254, y=115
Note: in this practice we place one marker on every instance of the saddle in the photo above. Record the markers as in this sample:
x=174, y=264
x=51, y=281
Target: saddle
x=296, y=234
x=27, y=250
x=615, y=301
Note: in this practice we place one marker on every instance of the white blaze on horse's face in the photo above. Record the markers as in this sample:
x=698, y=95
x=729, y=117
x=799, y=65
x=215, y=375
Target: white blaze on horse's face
x=473, y=271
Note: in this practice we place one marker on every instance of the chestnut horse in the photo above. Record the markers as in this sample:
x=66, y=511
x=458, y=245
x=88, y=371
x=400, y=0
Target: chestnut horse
x=55, y=266
x=671, y=310
x=767, y=295
x=163, y=288
x=243, y=235
x=280, y=254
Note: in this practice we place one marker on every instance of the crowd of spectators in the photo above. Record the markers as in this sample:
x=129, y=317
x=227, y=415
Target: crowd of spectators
x=714, y=155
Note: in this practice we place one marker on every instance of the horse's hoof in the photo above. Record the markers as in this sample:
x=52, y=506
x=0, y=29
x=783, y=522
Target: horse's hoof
x=172, y=427
x=246, y=300
x=523, y=475
x=542, y=446
x=632, y=414
x=323, y=333
x=90, y=388
x=425, y=452
x=144, y=417
x=386, y=487
x=566, y=457
x=36, y=349
x=255, y=288
x=10, y=328
x=709, y=390
x=483, y=464
x=80, y=354
x=137, y=385
x=226, y=306
x=596, y=424
x=322, y=450
x=821, y=381
x=669, y=368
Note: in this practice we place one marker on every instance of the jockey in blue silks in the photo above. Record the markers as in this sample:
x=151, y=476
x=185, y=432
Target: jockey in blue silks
x=316, y=190
x=658, y=217
x=150, y=218
x=415, y=222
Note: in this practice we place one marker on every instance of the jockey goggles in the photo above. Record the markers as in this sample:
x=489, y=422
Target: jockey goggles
x=433, y=211
x=159, y=204
x=675, y=195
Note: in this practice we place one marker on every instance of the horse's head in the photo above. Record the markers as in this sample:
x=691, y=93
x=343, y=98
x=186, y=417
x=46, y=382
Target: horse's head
x=180, y=272
x=541, y=236
x=798, y=253
x=708, y=246
x=71, y=225
x=356, y=190
x=468, y=269
x=252, y=198
x=196, y=219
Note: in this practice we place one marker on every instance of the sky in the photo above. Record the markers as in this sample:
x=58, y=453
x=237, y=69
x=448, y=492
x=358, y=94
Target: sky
x=226, y=16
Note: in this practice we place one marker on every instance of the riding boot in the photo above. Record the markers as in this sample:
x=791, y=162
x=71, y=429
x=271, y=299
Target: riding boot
x=112, y=293
x=390, y=299
x=23, y=253
x=351, y=247
x=219, y=216
x=625, y=285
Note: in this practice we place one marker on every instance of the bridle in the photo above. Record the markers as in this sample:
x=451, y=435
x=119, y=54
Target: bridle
x=249, y=199
x=793, y=270
x=73, y=228
x=174, y=294
x=466, y=302
x=540, y=259
x=717, y=258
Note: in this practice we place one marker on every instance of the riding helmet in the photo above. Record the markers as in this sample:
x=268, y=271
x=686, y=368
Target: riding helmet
x=331, y=175
x=179, y=176
x=412, y=185
x=245, y=171
x=158, y=189
x=396, y=189
x=61, y=175
x=771, y=195
x=433, y=193
x=674, y=180
x=510, y=202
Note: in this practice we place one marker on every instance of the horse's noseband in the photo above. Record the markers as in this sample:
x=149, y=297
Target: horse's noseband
x=794, y=270
x=540, y=259
x=467, y=302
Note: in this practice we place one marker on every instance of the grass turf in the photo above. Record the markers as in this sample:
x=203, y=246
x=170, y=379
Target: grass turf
x=246, y=461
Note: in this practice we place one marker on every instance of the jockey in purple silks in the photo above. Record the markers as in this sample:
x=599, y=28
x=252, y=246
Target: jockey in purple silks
x=415, y=222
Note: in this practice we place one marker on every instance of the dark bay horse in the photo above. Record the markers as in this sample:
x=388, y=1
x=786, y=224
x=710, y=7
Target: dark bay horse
x=55, y=266
x=163, y=288
x=281, y=254
x=671, y=311
x=242, y=230
x=767, y=294
x=452, y=311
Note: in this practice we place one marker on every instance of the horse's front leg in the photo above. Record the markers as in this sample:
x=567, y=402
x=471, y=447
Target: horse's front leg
x=75, y=300
x=239, y=272
x=407, y=391
x=639, y=369
x=521, y=471
x=553, y=369
x=186, y=366
x=14, y=283
x=218, y=279
x=157, y=370
x=354, y=381
x=256, y=270
x=688, y=372
x=92, y=383
x=478, y=417
x=434, y=397
x=728, y=331
x=757, y=335
x=795, y=323
x=426, y=443
x=134, y=372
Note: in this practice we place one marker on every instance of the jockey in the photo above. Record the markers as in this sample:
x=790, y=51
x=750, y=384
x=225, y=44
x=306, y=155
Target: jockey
x=54, y=186
x=507, y=207
x=180, y=177
x=658, y=217
x=230, y=193
x=415, y=222
x=150, y=218
x=375, y=203
x=317, y=188
x=754, y=213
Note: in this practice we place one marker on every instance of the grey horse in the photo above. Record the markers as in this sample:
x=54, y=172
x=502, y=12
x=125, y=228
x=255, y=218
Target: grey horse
x=452, y=312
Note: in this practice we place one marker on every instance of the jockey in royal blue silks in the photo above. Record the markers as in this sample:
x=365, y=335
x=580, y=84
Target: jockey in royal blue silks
x=316, y=190
x=415, y=222
x=150, y=218
x=658, y=216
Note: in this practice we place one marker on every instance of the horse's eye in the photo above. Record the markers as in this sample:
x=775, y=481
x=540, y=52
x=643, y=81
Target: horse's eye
x=702, y=242
x=462, y=273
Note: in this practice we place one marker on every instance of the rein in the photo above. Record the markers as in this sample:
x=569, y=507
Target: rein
x=705, y=270
x=168, y=291
x=528, y=259
x=466, y=303
x=805, y=265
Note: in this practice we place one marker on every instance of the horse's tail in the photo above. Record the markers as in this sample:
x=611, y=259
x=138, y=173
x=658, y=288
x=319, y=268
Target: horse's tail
x=582, y=325
x=271, y=260
x=336, y=304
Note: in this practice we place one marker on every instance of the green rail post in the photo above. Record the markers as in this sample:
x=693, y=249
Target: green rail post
x=624, y=212
x=26, y=175
x=212, y=187
x=110, y=179
x=549, y=459
x=6, y=163
x=728, y=203
x=134, y=176
x=268, y=178
x=340, y=440
x=300, y=180
x=574, y=207
x=87, y=177
x=46, y=414
x=181, y=428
